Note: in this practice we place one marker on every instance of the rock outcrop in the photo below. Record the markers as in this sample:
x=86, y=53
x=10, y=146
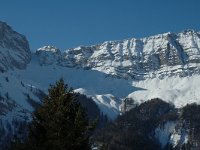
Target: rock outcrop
x=14, y=49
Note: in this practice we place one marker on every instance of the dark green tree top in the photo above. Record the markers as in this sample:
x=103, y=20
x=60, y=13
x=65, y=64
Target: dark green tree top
x=60, y=123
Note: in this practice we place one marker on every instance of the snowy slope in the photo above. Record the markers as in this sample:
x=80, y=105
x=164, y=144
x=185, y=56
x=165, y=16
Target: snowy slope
x=176, y=90
x=106, y=91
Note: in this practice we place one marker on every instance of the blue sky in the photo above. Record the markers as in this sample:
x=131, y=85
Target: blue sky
x=70, y=23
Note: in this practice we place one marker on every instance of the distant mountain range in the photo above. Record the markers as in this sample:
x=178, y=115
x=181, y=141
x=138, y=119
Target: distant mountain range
x=163, y=66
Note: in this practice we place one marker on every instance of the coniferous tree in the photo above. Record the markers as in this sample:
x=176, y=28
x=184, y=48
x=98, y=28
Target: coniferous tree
x=60, y=123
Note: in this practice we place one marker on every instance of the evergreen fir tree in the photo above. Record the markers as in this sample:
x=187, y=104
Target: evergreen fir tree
x=60, y=123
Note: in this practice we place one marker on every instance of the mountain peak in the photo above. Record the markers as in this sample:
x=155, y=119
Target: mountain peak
x=3, y=24
x=49, y=48
x=189, y=31
x=49, y=55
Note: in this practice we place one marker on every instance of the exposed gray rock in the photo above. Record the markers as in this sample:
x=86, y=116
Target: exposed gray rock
x=14, y=49
x=161, y=55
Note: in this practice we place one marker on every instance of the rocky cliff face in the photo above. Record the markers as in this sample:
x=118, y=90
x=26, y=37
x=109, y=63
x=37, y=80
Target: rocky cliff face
x=14, y=49
x=14, y=53
x=162, y=55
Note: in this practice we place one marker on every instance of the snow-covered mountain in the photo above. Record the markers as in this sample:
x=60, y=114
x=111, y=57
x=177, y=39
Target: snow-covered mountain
x=110, y=71
x=14, y=54
x=162, y=55
x=166, y=66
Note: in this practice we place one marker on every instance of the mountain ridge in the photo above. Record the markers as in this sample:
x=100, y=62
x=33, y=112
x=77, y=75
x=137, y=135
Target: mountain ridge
x=139, y=59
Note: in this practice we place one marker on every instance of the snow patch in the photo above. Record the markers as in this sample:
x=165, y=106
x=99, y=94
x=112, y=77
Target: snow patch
x=163, y=132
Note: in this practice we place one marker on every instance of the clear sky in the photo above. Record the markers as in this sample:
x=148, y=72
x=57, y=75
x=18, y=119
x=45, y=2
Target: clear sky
x=70, y=23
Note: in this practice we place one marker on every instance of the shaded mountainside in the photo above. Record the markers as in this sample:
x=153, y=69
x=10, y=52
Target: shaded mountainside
x=154, y=125
x=14, y=49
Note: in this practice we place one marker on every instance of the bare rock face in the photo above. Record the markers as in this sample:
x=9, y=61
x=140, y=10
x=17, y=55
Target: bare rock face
x=14, y=49
x=161, y=55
